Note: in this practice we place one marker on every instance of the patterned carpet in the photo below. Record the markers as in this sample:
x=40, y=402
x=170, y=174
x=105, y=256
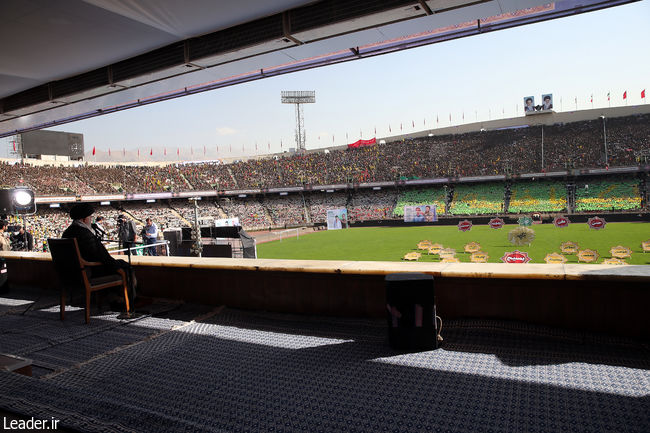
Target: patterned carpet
x=193, y=368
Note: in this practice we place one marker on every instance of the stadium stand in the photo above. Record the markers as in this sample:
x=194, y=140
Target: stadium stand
x=415, y=197
x=477, y=199
x=608, y=195
x=372, y=205
x=537, y=197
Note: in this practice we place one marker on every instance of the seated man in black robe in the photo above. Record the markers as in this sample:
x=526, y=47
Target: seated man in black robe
x=93, y=250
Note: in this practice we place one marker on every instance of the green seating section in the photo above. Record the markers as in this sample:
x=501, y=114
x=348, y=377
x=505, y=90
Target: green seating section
x=537, y=197
x=421, y=196
x=608, y=195
x=477, y=199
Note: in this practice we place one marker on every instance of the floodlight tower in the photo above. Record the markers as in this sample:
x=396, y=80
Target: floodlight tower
x=298, y=98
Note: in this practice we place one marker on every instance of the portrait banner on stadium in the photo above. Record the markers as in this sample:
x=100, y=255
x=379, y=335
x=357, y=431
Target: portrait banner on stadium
x=529, y=104
x=337, y=219
x=420, y=214
x=547, y=101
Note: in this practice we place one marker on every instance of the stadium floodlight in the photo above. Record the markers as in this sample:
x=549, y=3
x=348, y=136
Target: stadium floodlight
x=17, y=201
x=298, y=98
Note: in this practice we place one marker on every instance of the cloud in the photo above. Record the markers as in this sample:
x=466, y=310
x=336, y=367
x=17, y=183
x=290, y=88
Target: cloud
x=225, y=130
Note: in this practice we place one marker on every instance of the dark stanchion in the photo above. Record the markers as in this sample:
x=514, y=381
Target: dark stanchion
x=411, y=312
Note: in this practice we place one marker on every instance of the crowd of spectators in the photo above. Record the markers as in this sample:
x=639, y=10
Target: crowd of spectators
x=514, y=150
x=372, y=205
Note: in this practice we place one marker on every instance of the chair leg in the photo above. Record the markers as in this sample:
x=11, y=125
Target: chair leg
x=126, y=298
x=62, y=307
x=87, y=306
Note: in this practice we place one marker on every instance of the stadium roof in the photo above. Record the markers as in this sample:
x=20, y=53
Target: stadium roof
x=75, y=59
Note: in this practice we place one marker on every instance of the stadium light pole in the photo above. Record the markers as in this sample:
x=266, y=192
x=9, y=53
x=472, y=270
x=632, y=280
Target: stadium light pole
x=605, y=139
x=298, y=98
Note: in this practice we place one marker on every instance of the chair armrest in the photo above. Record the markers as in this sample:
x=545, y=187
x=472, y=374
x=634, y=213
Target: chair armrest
x=85, y=263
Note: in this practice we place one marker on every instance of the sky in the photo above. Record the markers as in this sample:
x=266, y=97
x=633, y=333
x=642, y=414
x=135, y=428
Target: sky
x=481, y=77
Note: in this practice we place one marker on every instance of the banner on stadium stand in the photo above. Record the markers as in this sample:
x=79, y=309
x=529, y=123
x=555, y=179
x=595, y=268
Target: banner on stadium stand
x=465, y=225
x=614, y=261
x=435, y=249
x=560, y=221
x=424, y=245
x=412, y=256
x=227, y=222
x=620, y=252
x=515, y=256
x=447, y=253
x=555, y=259
x=337, y=219
x=496, y=223
x=420, y=213
x=588, y=256
x=525, y=221
x=479, y=257
x=645, y=246
x=472, y=247
x=596, y=223
x=362, y=143
x=569, y=247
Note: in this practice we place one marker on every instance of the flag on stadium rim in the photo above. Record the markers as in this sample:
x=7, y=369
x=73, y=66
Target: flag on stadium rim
x=165, y=151
x=608, y=96
x=14, y=145
x=625, y=95
x=93, y=150
x=151, y=152
x=138, y=152
x=178, y=151
x=109, y=151
x=642, y=97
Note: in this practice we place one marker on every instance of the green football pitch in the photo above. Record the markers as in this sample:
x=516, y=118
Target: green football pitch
x=391, y=243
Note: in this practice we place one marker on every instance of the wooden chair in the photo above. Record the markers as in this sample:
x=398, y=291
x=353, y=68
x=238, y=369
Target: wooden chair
x=73, y=273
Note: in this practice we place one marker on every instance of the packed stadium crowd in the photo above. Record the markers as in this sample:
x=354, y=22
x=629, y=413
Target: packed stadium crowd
x=514, y=150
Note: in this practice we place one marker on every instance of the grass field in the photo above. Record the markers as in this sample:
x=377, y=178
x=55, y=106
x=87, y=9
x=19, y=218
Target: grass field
x=391, y=243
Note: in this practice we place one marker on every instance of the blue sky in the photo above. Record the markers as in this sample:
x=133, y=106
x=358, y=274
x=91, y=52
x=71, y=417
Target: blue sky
x=482, y=76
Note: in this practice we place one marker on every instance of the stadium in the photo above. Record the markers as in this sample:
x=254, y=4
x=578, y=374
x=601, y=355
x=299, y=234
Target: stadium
x=266, y=299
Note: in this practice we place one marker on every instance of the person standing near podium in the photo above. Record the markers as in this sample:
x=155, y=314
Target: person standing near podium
x=150, y=235
x=126, y=231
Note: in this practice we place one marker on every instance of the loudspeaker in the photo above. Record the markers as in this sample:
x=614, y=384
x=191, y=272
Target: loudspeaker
x=411, y=312
x=4, y=280
x=217, y=251
x=174, y=236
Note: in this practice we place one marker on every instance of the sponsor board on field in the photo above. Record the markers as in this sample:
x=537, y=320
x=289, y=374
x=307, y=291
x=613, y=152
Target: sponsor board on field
x=569, y=247
x=435, y=248
x=479, y=257
x=472, y=247
x=596, y=223
x=496, y=223
x=446, y=253
x=465, y=225
x=515, y=256
x=555, y=259
x=412, y=256
x=561, y=221
x=588, y=256
x=614, y=261
x=645, y=246
x=450, y=260
x=424, y=245
x=620, y=252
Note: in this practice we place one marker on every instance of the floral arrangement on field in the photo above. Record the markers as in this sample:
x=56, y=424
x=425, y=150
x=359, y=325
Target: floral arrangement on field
x=521, y=236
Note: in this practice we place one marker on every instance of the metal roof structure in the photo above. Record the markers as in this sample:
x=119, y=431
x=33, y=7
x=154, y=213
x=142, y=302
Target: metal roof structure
x=73, y=59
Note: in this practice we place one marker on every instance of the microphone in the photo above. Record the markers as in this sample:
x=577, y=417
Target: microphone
x=98, y=231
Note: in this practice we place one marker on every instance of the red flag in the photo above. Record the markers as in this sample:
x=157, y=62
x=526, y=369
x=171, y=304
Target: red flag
x=15, y=143
x=625, y=95
x=109, y=151
x=151, y=151
x=165, y=151
x=592, y=99
x=642, y=97
x=138, y=152
x=93, y=150
x=178, y=151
